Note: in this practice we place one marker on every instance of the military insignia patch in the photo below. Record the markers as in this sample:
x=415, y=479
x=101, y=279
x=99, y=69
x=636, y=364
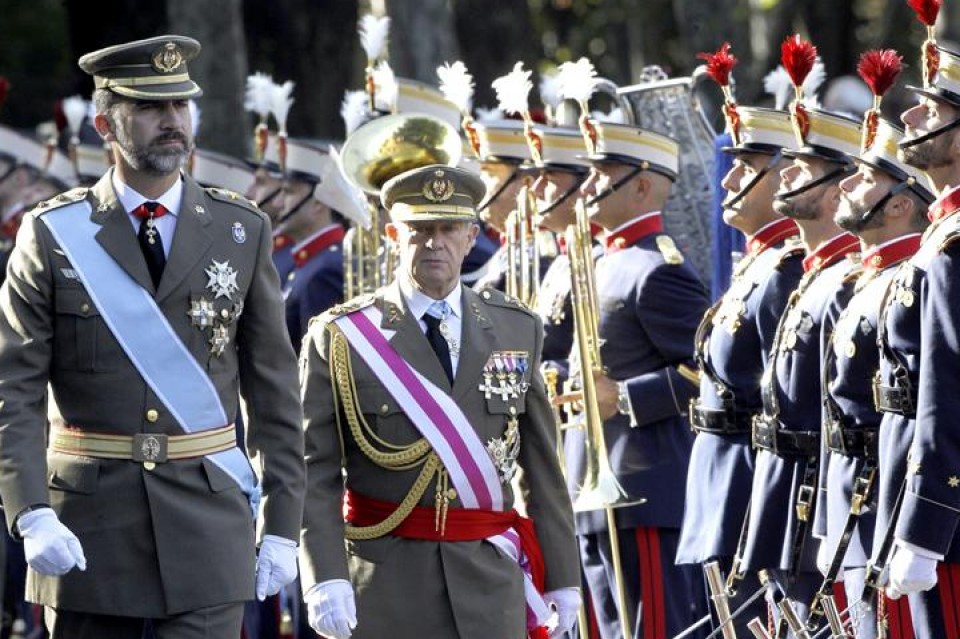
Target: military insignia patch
x=167, y=59
x=239, y=232
x=223, y=279
x=438, y=188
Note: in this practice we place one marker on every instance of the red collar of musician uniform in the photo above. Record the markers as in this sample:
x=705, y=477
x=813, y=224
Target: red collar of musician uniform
x=11, y=225
x=633, y=231
x=771, y=234
x=831, y=251
x=891, y=253
x=281, y=241
x=595, y=230
x=945, y=205
x=322, y=239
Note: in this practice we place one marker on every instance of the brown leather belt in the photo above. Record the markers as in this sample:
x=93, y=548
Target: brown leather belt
x=769, y=435
x=142, y=447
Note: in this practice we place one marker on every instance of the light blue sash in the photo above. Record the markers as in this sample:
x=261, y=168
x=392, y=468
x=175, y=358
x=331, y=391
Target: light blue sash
x=143, y=332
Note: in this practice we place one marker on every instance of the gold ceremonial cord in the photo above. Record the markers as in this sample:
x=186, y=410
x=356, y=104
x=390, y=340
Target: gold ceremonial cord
x=403, y=458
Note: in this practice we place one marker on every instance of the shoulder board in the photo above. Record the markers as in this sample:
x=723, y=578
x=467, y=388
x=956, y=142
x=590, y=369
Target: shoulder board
x=351, y=305
x=232, y=197
x=856, y=270
x=668, y=248
x=497, y=298
x=67, y=197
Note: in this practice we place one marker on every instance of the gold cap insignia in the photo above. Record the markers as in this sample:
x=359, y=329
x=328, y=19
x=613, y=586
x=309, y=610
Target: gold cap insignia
x=438, y=189
x=167, y=59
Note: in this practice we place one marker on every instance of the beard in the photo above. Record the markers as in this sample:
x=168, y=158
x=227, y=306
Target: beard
x=852, y=216
x=154, y=158
x=796, y=208
x=928, y=154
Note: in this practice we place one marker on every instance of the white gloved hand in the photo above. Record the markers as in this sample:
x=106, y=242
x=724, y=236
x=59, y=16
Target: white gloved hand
x=331, y=608
x=566, y=601
x=50, y=548
x=911, y=570
x=276, y=565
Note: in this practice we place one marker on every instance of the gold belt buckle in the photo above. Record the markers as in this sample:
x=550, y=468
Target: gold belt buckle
x=149, y=448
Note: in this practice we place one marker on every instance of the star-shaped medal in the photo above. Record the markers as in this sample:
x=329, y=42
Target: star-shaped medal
x=223, y=279
x=219, y=340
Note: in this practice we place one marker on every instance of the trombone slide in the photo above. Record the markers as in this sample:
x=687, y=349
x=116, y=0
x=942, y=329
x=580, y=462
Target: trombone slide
x=718, y=595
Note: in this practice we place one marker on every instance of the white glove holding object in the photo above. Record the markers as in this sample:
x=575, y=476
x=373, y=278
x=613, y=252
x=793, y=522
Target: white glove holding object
x=566, y=601
x=332, y=609
x=50, y=548
x=912, y=569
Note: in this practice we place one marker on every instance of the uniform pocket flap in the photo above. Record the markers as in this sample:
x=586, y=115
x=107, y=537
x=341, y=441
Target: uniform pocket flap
x=73, y=473
x=74, y=301
x=217, y=478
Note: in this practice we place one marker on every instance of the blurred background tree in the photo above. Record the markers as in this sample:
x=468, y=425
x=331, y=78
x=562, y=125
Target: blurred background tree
x=314, y=43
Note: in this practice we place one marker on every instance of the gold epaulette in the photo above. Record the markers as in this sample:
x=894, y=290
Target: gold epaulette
x=67, y=197
x=790, y=248
x=232, y=197
x=668, y=248
x=951, y=235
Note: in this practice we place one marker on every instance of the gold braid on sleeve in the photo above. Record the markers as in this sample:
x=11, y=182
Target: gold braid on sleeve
x=396, y=458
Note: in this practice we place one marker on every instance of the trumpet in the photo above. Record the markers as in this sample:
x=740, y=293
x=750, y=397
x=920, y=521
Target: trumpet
x=377, y=151
x=600, y=488
x=523, y=249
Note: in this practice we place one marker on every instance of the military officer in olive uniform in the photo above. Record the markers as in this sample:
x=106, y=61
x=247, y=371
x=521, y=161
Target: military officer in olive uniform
x=732, y=347
x=428, y=395
x=143, y=301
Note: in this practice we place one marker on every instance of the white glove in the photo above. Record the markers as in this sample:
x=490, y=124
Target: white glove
x=276, y=565
x=331, y=608
x=566, y=601
x=50, y=548
x=912, y=569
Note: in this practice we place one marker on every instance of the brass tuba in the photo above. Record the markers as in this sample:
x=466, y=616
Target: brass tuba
x=377, y=151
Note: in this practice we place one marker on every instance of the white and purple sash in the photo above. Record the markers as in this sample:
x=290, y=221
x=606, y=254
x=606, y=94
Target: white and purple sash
x=442, y=423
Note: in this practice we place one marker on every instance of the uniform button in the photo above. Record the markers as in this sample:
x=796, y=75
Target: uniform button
x=149, y=465
x=153, y=415
x=451, y=494
x=85, y=308
x=513, y=410
x=224, y=313
x=384, y=409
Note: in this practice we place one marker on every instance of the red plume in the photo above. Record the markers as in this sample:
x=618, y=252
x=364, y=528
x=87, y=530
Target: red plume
x=798, y=57
x=4, y=89
x=879, y=68
x=926, y=10
x=720, y=64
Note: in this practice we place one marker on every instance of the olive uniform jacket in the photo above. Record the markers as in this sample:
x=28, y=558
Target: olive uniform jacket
x=179, y=536
x=416, y=588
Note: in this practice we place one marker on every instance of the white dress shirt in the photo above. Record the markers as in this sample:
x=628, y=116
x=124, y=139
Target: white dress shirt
x=165, y=225
x=418, y=302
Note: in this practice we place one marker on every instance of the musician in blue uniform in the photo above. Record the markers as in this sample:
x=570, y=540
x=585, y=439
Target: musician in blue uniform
x=787, y=432
x=918, y=385
x=884, y=203
x=267, y=191
x=316, y=281
x=650, y=302
x=732, y=346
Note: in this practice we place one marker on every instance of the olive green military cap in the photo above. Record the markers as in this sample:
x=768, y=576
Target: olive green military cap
x=151, y=69
x=430, y=193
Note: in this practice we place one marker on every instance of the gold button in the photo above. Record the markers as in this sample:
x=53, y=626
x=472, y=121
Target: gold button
x=224, y=313
x=486, y=295
x=153, y=415
x=84, y=308
x=385, y=409
x=451, y=494
x=513, y=410
x=149, y=465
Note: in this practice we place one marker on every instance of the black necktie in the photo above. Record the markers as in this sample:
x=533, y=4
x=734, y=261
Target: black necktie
x=439, y=344
x=150, y=241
